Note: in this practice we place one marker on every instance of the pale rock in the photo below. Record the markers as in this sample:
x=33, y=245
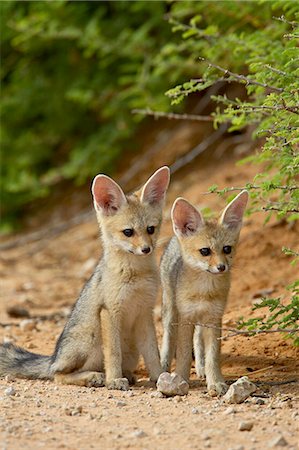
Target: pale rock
x=239, y=391
x=245, y=426
x=171, y=384
x=27, y=324
x=120, y=403
x=156, y=394
x=279, y=441
x=10, y=391
x=229, y=410
x=139, y=434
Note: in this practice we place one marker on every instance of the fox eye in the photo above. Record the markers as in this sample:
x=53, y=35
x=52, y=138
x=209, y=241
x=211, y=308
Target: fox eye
x=150, y=230
x=227, y=249
x=128, y=232
x=205, y=251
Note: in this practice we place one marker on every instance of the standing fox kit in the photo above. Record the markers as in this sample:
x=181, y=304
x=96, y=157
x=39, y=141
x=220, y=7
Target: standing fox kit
x=195, y=275
x=111, y=323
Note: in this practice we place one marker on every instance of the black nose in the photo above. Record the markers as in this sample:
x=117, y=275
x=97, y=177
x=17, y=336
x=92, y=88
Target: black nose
x=221, y=267
x=146, y=250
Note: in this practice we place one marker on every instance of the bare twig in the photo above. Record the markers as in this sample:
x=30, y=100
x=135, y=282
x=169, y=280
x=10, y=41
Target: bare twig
x=284, y=20
x=160, y=114
x=275, y=208
x=236, y=332
x=221, y=191
x=49, y=232
x=242, y=77
x=279, y=72
x=186, y=159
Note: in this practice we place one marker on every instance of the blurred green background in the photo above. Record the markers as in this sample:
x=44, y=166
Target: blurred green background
x=72, y=72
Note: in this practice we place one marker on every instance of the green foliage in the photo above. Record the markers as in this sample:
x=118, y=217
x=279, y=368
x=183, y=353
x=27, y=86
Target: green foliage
x=260, y=52
x=278, y=316
x=71, y=74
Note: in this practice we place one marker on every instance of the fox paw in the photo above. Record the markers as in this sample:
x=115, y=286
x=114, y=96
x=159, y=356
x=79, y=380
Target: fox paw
x=200, y=372
x=216, y=389
x=130, y=377
x=95, y=379
x=120, y=384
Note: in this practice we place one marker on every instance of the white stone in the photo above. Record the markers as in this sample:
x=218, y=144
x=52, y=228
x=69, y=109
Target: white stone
x=279, y=441
x=27, y=325
x=171, y=384
x=245, y=426
x=10, y=391
x=239, y=391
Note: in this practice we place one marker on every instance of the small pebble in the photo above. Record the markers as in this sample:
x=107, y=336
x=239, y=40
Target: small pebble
x=10, y=391
x=156, y=394
x=129, y=394
x=279, y=441
x=9, y=378
x=245, y=426
x=259, y=401
x=229, y=410
x=177, y=399
x=139, y=434
x=27, y=325
x=120, y=403
x=195, y=411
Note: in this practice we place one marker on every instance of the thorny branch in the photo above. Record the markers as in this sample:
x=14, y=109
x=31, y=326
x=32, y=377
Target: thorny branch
x=221, y=191
x=160, y=114
x=242, y=77
x=234, y=332
x=275, y=208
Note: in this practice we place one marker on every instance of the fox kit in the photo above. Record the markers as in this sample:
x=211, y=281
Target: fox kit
x=111, y=323
x=195, y=276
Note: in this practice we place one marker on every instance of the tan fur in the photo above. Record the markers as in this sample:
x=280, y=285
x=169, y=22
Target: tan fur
x=195, y=291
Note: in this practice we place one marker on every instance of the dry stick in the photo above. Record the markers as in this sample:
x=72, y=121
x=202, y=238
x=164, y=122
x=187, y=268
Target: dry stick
x=196, y=151
x=235, y=332
x=49, y=232
x=241, y=77
x=171, y=116
x=251, y=373
x=274, y=208
x=286, y=188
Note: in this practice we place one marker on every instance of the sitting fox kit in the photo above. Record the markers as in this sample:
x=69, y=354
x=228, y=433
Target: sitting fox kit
x=111, y=324
x=195, y=276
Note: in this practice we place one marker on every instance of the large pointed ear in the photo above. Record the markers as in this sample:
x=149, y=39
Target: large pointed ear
x=233, y=214
x=108, y=197
x=185, y=218
x=155, y=188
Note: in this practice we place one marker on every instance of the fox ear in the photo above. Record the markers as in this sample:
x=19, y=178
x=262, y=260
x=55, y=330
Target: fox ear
x=155, y=188
x=233, y=214
x=108, y=197
x=185, y=218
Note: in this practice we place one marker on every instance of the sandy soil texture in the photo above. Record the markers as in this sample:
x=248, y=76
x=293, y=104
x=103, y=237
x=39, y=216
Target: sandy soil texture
x=45, y=277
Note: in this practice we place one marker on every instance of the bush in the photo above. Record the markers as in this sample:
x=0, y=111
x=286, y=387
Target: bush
x=71, y=73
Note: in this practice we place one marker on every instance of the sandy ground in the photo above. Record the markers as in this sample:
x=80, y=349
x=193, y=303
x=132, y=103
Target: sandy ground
x=45, y=277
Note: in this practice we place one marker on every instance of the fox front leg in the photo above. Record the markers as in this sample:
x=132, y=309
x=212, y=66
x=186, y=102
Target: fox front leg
x=215, y=381
x=198, y=345
x=112, y=351
x=147, y=343
x=184, y=350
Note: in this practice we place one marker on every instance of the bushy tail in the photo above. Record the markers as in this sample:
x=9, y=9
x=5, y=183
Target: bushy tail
x=23, y=364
